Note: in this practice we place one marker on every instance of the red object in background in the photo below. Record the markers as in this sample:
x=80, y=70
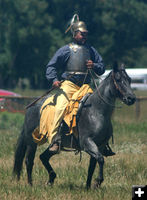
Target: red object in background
x=7, y=93
x=9, y=107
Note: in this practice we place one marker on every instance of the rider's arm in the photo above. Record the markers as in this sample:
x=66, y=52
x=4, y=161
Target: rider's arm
x=57, y=61
x=98, y=67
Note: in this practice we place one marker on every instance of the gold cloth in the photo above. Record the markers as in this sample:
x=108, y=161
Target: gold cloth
x=57, y=107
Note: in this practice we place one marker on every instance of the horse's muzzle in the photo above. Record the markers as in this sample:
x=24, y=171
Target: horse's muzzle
x=129, y=100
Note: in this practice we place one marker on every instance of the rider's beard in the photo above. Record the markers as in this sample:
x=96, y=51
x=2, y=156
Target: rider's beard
x=81, y=42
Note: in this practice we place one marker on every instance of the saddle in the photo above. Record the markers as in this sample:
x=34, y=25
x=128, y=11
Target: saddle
x=43, y=133
x=71, y=118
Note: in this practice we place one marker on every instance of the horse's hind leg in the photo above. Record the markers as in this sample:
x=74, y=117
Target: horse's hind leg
x=30, y=155
x=91, y=169
x=45, y=157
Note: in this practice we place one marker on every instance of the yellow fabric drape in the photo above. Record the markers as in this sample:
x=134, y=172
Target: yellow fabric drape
x=72, y=107
x=57, y=107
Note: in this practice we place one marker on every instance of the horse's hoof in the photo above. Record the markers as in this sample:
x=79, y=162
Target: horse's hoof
x=51, y=179
x=50, y=183
x=97, y=183
x=30, y=183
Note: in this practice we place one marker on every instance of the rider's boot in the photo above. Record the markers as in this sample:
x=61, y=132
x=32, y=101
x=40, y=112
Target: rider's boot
x=107, y=151
x=56, y=146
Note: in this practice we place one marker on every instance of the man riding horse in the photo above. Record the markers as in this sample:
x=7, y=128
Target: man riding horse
x=74, y=59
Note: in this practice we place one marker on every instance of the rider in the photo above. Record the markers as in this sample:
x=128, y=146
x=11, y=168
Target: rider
x=73, y=60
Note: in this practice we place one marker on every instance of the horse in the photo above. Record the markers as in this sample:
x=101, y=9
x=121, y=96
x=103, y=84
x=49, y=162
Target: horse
x=94, y=127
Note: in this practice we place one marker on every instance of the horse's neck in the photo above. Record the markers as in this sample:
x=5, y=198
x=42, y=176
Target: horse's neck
x=104, y=96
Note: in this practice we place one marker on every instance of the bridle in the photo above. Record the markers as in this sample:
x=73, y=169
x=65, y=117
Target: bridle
x=99, y=94
x=116, y=85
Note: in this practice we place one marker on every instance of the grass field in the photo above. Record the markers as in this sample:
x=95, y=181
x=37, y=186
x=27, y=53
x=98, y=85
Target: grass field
x=127, y=168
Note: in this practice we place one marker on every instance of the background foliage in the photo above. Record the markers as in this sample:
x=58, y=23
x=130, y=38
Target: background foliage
x=32, y=30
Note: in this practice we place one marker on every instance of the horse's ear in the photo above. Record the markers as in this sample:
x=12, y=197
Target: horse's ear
x=122, y=66
x=115, y=66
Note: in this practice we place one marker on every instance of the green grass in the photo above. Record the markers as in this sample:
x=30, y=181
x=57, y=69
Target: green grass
x=122, y=171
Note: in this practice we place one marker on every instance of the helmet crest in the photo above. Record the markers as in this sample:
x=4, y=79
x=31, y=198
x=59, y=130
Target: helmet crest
x=76, y=25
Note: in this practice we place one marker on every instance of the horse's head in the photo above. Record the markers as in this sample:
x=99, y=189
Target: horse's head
x=122, y=84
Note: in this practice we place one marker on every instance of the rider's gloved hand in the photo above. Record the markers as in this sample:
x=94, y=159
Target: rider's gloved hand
x=56, y=84
x=89, y=64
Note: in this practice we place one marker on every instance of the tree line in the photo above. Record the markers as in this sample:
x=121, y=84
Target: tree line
x=32, y=30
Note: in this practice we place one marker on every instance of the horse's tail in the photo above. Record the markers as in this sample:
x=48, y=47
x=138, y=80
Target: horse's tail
x=19, y=155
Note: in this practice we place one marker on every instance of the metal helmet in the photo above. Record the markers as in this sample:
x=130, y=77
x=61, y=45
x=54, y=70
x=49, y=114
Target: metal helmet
x=76, y=25
x=79, y=26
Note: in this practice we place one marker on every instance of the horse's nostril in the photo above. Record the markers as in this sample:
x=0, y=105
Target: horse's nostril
x=131, y=99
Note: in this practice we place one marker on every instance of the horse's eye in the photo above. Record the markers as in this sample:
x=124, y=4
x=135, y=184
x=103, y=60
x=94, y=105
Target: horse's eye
x=117, y=76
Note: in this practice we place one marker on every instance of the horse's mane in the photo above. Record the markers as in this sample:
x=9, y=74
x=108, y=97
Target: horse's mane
x=105, y=80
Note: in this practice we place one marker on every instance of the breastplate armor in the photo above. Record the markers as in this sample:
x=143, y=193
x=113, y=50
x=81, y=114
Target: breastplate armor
x=79, y=54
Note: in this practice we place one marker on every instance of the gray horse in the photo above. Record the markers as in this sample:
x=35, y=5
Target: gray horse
x=94, y=127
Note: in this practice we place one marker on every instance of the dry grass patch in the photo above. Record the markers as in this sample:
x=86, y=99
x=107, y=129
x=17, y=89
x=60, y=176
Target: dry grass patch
x=122, y=171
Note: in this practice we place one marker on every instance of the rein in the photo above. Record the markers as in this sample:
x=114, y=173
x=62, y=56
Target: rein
x=102, y=98
x=116, y=85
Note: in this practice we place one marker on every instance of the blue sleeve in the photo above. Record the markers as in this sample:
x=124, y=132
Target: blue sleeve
x=57, y=62
x=99, y=67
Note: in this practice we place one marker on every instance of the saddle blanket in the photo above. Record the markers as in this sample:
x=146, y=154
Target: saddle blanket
x=42, y=133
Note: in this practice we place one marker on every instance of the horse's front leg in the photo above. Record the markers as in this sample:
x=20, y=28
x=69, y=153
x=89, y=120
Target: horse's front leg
x=92, y=149
x=45, y=157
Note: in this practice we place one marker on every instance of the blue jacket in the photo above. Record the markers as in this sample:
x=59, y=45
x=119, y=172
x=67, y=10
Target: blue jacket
x=59, y=61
